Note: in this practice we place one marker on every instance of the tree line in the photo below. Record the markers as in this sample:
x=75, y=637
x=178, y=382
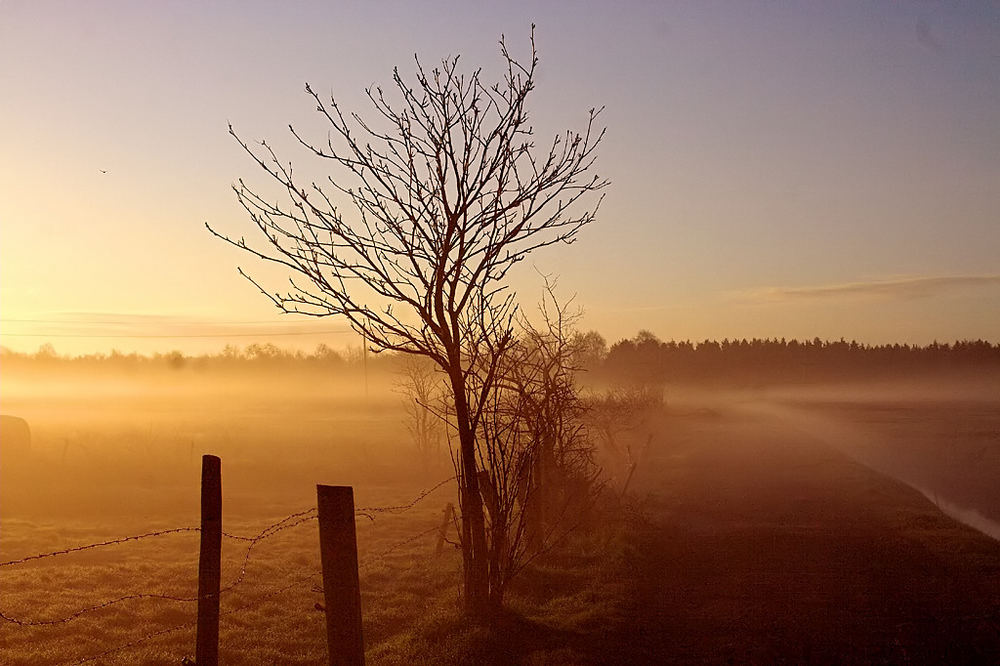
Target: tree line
x=646, y=358
x=643, y=357
x=250, y=357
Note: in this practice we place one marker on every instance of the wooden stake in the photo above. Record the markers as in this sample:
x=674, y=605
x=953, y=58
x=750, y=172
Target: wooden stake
x=628, y=479
x=341, y=587
x=209, y=562
x=449, y=515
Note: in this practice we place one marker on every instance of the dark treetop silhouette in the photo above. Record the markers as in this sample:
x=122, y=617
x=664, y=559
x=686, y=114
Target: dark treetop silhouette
x=448, y=193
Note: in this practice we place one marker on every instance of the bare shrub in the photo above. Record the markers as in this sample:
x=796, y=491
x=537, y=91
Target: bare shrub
x=538, y=475
x=621, y=422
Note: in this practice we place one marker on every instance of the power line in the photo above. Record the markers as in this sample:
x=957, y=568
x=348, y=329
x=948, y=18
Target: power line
x=140, y=320
x=186, y=335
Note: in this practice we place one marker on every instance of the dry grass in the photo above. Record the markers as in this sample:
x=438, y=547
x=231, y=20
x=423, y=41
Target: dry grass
x=119, y=464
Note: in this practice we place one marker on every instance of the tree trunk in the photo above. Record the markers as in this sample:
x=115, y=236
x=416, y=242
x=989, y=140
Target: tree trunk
x=499, y=567
x=475, y=551
x=534, y=505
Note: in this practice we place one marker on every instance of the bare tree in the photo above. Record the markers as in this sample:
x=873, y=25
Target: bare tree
x=423, y=394
x=448, y=192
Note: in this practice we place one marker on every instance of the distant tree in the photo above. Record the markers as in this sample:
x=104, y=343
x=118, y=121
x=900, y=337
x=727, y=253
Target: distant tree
x=646, y=338
x=264, y=352
x=425, y=406
x=175, y=360
x=46, y=352
x=590, y=350
x=326, y=353
x=449, y=193
x=231, y=352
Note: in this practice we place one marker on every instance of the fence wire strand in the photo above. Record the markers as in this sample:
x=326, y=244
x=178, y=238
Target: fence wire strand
x=403, y=507
x=372, y=560
x=134, y=643
x=362, y=566
x=99, y=544
x=288, y=522
x=363, y=511
x=192, y=624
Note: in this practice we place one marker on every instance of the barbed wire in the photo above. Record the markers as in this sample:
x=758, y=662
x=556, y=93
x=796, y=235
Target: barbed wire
x=137, y=537
x=285, y=523
x=236, y=537
x=100, y=544
x=134, y=643
x=371, y=560
x=273, y=527
x=266, y=533
x=192, y=624
x=403, y=507
x=90, y=609
x=288, y=522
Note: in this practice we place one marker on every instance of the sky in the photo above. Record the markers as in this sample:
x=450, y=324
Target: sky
x=779, y=169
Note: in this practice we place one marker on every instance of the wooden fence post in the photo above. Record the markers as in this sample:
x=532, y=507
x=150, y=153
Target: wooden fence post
x=449, y=513
x=628, y=479
x=209, y=562
x=635, y=463
x=341, y=588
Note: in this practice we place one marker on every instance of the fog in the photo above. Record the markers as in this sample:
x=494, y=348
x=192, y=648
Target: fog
x=140, y=435
x=797, y=468
x=940, y=436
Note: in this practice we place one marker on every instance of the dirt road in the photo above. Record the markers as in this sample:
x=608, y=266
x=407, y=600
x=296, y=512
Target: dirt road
x=763, y=545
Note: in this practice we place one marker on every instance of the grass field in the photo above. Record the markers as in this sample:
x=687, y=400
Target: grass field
x=122, y=463
x=752, y=535
x=950, y=450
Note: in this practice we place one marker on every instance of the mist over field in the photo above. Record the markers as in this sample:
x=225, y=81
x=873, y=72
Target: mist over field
x=712, y=463
x=499, y=333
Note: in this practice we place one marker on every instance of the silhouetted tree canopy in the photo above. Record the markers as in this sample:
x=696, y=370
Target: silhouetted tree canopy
x=645, y=358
